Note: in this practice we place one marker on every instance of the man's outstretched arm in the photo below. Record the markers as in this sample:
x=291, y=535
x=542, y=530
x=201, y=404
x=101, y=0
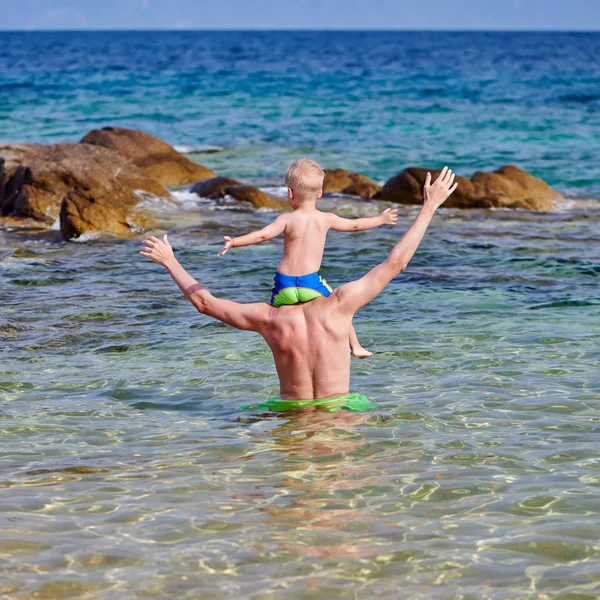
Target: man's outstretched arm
x=357, y=293
x=241, y=316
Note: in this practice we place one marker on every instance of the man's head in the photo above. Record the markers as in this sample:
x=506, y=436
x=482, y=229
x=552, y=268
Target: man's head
x=304, y=179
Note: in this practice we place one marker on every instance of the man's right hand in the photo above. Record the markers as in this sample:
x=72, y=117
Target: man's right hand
x=228, y=244
x=436, y=193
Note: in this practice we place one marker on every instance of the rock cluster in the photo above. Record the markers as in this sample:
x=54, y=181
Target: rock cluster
x=36, y=180
x=508, y=187
x=94, y=185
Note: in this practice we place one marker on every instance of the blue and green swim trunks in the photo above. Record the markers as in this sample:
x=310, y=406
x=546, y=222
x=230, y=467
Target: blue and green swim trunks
x=292, y=290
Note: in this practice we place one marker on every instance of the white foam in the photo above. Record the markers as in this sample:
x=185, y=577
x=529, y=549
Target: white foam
x=280, y=191
x=198, y=149
x=187, y=199
x=88, y=236
x=569, y=204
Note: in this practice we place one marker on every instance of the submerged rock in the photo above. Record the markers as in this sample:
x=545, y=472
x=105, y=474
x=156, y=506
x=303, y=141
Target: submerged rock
x=508, y=187
x=354, y=184
x=256, y=197
x=35, y=178
x=211, y=186
x=155, y=157
x=82, y=212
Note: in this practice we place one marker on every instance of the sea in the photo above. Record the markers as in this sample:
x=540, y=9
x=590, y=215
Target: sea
x=129, y=467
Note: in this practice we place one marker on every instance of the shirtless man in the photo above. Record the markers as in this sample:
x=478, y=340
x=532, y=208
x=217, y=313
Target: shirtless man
x=309, y=341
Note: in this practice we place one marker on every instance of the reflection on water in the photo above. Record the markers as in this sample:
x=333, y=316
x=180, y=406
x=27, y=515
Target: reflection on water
x=128, y=468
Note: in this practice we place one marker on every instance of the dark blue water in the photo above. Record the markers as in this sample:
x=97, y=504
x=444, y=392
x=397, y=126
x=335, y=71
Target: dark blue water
x=372, y=101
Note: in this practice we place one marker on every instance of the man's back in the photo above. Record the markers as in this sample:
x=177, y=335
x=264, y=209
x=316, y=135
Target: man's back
x=310, y=341
x=310, y=348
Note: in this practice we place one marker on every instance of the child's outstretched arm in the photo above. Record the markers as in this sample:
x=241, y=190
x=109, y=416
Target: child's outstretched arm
x=256, y=237
x=388, y=217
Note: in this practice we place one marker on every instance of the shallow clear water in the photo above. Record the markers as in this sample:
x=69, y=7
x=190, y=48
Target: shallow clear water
x=128, y=469
x=372, y=101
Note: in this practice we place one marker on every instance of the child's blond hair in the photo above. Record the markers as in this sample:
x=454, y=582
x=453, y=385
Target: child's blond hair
x=305, y=177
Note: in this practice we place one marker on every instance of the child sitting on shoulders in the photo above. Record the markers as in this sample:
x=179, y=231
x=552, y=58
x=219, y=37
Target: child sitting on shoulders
x=304, y=232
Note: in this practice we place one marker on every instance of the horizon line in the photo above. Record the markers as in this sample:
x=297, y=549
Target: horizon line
x=302, y=30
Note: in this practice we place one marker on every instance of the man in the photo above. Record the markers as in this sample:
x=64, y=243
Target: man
x=309, y=341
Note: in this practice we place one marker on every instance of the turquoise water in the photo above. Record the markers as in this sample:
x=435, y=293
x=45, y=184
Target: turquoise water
x=376, y=102
x=128, y=468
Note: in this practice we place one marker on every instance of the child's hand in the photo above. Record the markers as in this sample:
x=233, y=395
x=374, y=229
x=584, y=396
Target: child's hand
x=228, y=244
x=389, y=216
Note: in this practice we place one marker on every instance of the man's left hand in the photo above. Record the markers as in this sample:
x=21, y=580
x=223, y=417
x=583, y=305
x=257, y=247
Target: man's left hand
x=159, y=251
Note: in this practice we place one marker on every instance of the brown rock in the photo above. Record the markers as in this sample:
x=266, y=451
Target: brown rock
x=35, y=178
x=336, y=180
x=364, y=189
x=208, y=187
x=155, y=157
x=81, y=212
x=355, y=184
x=407, y=188
x=16, y=224
x=248, y=193
x=511, y=187
x=508, y=187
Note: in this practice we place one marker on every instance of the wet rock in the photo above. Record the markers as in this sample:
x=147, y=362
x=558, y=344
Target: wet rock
x=155, y=157
x=82, y=212
x=364, y=189
x=211, y=186
x=35, y=178
x=355, y=184
x=23, y=225
x=508, y=187
x=256, y=197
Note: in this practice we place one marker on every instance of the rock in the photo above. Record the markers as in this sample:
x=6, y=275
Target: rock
x=336, y=180
x=155, y=157
x=81, y=212
x=508, y=187
x=364, y=189
x=16, y=224
x=259, y=199
x=407, y=188
x=511, y=187
x=35, y=178
x=208, y=187
x=355, y=184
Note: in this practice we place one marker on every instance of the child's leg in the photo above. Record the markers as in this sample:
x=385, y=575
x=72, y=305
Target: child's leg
x=357, y=350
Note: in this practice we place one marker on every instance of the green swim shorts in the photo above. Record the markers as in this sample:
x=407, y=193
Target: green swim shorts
x=354, y=402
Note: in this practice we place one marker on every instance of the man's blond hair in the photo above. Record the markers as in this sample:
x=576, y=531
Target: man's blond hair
x=305, y=176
